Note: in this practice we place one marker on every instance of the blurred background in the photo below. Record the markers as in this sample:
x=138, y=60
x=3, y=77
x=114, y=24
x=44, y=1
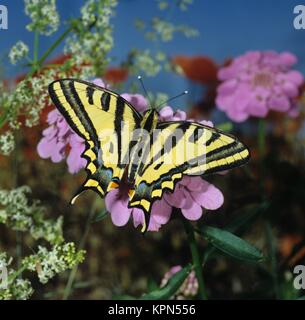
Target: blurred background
x=175, y=46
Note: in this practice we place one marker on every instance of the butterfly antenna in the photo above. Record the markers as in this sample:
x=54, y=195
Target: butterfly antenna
x=173, y=98
x=144, y=90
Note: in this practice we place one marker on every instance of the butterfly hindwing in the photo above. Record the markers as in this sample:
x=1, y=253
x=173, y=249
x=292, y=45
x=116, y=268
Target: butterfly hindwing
x=105, y=121
x=183, y=148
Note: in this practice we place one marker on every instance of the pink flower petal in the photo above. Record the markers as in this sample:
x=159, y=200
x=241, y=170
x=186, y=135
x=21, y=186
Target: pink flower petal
x=51, y=149
x=288, y=59
x=74, y=160
x=166, y=113
x=290, y=89
x=295, y=77
x=257, y=107
x=179, y=115
x=211, y=199
x=161, y=211
x=195, y=184
x=227, y=87
x=118, y=207
x=175, y=199
x=279, y=103
x=53, y=116
x=99, y=82
x=137, y=101
x=193, y=211
x=138, y=217
x=50, y=132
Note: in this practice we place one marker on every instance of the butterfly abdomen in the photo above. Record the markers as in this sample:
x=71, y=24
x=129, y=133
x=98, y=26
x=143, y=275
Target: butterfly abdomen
x=140, y=152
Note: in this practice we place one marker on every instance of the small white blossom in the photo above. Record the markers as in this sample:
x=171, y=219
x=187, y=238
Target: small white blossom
x=54, y=261
x=18, y=289
x=7, y=143
x=21, y=214
x=44, y=16
x=18, y=52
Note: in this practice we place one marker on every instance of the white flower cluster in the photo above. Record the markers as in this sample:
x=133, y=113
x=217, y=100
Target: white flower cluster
x=165, y=30
x=7, y=143
x=11, y=102
x=23, y=215
x=44, y=16
x=18, y=52
x=184, y=4
x=48, y=263
x=92, y=39
x=145, y=62
x=17, y=289
x=159, y=30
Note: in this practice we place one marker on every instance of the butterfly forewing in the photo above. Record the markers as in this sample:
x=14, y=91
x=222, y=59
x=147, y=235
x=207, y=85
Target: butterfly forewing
x=105, y=121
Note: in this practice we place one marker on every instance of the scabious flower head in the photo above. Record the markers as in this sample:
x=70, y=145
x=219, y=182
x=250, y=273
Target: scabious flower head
x=191, y=195
x=189, y=287
x=257, y=82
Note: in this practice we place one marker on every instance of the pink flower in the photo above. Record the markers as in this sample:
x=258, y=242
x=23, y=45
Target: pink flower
x=136, y=100
x=257, y=82
x=56, y=138
x=192, y=195
x=189, y=287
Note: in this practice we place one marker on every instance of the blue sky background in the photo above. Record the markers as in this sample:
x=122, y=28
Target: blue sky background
x=227, y=29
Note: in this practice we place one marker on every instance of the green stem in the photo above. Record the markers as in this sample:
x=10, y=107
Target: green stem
x=261, y=136
x=81, y=246
x=16, y=274
x=15, y=182
x=273, y=261
x=36, y=49
x=19, y=248
x=56, y=43
x=196, y=258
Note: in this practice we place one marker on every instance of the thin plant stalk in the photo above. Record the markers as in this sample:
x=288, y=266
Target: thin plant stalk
x=196, y=258
x=81, y=246
x=262, y=151
x=271, y=243
x=36, y=49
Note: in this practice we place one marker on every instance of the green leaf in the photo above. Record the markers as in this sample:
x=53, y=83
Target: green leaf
x=242, y=221
x=172, y=286
x=100, y=216
x=231, y=244
x=123, y=297
x=151, y=285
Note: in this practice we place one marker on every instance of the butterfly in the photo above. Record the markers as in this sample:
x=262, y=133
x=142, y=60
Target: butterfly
x=126, y=148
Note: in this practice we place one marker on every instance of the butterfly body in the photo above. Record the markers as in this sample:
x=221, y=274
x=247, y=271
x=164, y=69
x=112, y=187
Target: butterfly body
x=135, y=152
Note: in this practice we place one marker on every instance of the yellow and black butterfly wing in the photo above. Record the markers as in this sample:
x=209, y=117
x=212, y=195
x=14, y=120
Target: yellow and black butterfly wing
x=105, y=121
x=183, y=148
